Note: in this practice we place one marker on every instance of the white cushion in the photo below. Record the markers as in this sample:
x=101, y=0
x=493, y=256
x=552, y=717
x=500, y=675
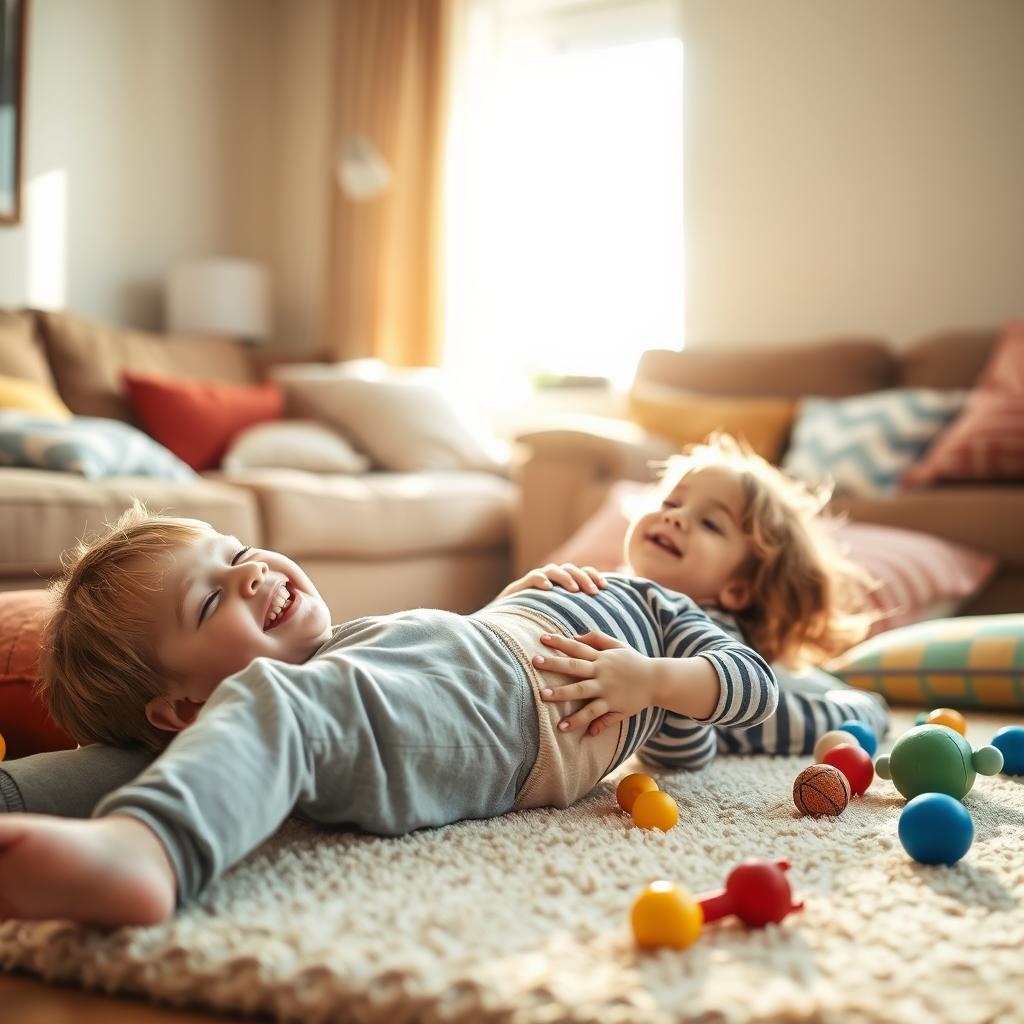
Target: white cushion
x=293, y=444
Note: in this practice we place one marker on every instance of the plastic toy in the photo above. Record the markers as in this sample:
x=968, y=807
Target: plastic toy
x=3, y=747
x=631, y=787
x=935, y=759
x=655, y=809
x=862, y=733
x=821, y=790
x=948, y=717
x=665, y=915
x=855, y=763
x=756, y=891
x=828, y=740
x=936, y=829
x=1009, y=741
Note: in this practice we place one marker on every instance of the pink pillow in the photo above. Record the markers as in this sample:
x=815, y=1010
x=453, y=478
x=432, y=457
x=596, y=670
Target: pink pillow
x=920, y=576
x=986, y=441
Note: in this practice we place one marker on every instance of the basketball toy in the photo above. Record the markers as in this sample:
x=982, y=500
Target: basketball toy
x=665, y=915
x=935, y=759
x=3, y=747
x=756, y=891
x=862, y=733
x=655, y=809
x=855, y=763
x=828, y=740
x=821, y=790
x=936, y=829
x=631, y=787
x=1009, y=741
x=948, y=717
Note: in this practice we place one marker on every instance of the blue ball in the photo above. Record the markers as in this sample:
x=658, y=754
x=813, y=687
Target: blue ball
x=936, y=829
x=1010, y=743
x=862, y=734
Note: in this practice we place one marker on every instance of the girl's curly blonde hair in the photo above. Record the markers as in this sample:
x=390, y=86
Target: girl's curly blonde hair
x=808, y=599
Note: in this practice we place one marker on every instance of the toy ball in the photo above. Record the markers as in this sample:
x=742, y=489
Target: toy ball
x=655, y=809
x=855, y=763
x=631, y=787
x=936, y=829
x=1009, y=741
x=665, y=915
x=828, y=740
x=862, y=733
x=821, y=790
x=935, y=759
x=756, y=891
x=948, y=717
x=922, y=718
x=3, y=748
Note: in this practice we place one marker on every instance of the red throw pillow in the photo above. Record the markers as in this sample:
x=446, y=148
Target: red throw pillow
x=198, y=419
x=25, y=724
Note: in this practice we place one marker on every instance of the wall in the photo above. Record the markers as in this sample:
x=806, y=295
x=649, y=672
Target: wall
x=852, y=166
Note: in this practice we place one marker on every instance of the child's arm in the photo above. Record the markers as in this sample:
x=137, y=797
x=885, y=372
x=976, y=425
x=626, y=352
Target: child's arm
x=571, y=577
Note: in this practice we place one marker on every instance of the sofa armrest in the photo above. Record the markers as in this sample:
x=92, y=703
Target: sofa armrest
x=564, y=471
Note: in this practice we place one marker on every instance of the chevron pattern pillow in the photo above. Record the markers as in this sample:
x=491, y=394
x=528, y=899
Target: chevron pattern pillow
x=864, y=444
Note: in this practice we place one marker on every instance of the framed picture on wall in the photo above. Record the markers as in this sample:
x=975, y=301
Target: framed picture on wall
x=13, y=19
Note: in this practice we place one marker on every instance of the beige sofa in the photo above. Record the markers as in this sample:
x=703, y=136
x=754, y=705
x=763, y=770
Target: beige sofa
x=565, y=472
x=374, y=543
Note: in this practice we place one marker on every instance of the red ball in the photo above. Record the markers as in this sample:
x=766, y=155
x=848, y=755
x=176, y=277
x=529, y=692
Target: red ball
x=855, y=763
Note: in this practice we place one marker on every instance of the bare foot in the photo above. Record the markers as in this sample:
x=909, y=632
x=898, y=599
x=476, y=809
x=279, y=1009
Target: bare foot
x=108, y=871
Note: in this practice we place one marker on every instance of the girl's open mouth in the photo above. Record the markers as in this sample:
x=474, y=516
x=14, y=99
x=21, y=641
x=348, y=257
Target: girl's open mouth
x=664, y=543
x=282, y=604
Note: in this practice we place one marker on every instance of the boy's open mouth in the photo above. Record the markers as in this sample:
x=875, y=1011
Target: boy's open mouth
x=661, y=541
x=282, y=601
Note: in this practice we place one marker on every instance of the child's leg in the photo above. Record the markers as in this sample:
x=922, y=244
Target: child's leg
x=810, y=704
x=68, y=783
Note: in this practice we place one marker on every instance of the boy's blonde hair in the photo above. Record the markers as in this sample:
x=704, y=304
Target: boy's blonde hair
x=98, y=664
x=808, y=600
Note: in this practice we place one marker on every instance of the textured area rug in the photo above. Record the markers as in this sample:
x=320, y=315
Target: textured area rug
x=525, y=918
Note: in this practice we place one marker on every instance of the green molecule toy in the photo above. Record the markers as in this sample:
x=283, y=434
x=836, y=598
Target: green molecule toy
x=935, y=759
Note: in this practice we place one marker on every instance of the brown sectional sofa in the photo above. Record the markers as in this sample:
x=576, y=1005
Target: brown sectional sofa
x=564, y=473
x=374, y=543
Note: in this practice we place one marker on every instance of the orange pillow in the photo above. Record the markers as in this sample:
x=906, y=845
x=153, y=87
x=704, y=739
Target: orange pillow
x=25, y=724
x=198, y=419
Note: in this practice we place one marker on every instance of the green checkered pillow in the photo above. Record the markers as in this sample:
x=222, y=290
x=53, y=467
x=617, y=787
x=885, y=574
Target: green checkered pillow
x=976, y=661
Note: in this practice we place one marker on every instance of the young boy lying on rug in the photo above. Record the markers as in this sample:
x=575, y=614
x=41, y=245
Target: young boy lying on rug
x=388, y=724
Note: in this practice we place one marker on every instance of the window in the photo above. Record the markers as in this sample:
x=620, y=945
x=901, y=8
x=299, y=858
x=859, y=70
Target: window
x=564, y=224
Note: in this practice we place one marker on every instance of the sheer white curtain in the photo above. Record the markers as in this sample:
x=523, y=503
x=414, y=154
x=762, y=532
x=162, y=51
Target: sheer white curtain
x=564, y=233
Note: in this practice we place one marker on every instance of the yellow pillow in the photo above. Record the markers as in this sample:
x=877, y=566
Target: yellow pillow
x=686, y=417
x=28, y=396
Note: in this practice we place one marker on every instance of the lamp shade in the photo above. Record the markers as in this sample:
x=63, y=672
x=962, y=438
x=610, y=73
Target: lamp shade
x=219, y=296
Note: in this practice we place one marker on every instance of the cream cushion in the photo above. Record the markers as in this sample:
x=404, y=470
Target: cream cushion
x=21, y=354
x=293, y=444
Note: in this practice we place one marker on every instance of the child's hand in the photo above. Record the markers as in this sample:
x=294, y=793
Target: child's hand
x=567, y=575
x=614, y=680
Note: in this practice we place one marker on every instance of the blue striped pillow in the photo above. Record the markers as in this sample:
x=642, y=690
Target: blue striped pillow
x=864, y=444
x=92, y=447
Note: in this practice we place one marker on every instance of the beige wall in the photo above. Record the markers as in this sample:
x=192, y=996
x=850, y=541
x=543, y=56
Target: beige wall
x=852, y=166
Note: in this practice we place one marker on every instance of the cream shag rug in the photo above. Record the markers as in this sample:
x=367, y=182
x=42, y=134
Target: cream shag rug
x=525, y=918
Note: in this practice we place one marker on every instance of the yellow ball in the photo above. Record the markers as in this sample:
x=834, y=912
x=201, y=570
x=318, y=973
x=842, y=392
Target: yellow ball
x=655, y=809
x=666, y=915
x=948, y=717
x=3, y=748
x=829, y=740
x=631, y=787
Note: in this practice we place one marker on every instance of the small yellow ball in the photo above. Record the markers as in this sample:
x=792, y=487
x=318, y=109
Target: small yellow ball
x=948, y=717
x=666, y=915
x=631, y=787
x=827, y=741
x=655, y=809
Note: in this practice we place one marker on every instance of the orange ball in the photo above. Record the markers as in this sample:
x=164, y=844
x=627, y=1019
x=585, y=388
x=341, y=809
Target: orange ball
x=821, y=790
x=631, y=787
x=666, y=915
x=948, y=717
x=3, y=748
x=655, y=809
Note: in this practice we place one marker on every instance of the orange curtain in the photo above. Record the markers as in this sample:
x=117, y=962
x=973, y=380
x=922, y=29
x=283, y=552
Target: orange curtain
x=385, y=255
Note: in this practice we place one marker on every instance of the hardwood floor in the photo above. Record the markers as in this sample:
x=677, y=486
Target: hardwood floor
x=27, y=1000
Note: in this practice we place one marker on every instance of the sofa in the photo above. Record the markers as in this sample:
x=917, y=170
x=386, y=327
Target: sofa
x=374, y=542
x=566, y=469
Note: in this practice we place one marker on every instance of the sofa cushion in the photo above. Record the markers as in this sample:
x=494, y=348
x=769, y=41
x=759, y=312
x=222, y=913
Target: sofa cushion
x=293, y=444
x=947, y=359
x=379, y=515
x=88, y=360
x=21, y=353
x=44, y=513
x=31, y=396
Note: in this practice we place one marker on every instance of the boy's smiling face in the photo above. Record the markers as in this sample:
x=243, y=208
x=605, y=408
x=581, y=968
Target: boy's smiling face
x=694, y=543
x=222, y=605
